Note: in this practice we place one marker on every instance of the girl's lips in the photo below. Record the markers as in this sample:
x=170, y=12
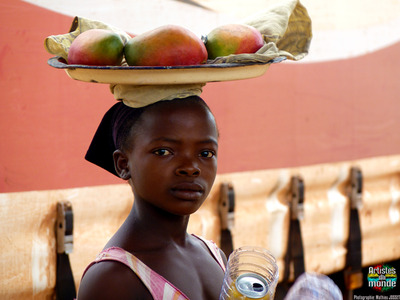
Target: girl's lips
x=187, y=191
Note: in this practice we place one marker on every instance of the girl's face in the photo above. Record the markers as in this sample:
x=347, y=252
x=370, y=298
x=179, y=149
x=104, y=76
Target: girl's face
x=173, y=162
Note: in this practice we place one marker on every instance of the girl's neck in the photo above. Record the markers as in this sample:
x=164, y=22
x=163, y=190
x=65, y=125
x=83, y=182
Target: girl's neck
x=153, y=219
x=150, y=228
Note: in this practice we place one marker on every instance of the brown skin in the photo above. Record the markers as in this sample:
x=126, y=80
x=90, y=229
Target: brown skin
x=171, y=169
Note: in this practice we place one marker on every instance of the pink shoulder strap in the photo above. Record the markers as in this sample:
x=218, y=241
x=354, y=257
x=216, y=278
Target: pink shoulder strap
x=157, y=285
x=215, y=251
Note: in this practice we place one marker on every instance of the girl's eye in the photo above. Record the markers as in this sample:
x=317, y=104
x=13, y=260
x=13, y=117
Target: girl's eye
x=162, y=152
x=207, y=154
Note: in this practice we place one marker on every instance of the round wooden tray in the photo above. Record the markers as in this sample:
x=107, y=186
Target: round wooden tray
x=143, y=75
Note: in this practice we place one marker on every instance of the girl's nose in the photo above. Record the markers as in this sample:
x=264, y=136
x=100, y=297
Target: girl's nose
x=188, y=170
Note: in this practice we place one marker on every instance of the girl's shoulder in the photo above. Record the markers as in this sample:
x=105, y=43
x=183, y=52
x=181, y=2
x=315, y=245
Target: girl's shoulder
x=216, y=252
x=109, y=280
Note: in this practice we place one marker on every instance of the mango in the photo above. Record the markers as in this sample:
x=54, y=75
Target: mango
x=233, y=39
x=96, y=47
x=167, y=45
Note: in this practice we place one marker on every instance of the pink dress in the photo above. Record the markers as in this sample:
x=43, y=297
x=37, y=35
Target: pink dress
x=157, y=285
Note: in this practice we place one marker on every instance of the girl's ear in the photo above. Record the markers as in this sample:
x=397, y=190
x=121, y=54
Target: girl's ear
x=121, y=164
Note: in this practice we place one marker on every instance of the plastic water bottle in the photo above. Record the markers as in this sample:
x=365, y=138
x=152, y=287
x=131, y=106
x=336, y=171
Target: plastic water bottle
x=313, y=286
x=252, y=273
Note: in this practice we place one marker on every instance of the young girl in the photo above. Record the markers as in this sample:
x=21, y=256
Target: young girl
x=168, y=153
